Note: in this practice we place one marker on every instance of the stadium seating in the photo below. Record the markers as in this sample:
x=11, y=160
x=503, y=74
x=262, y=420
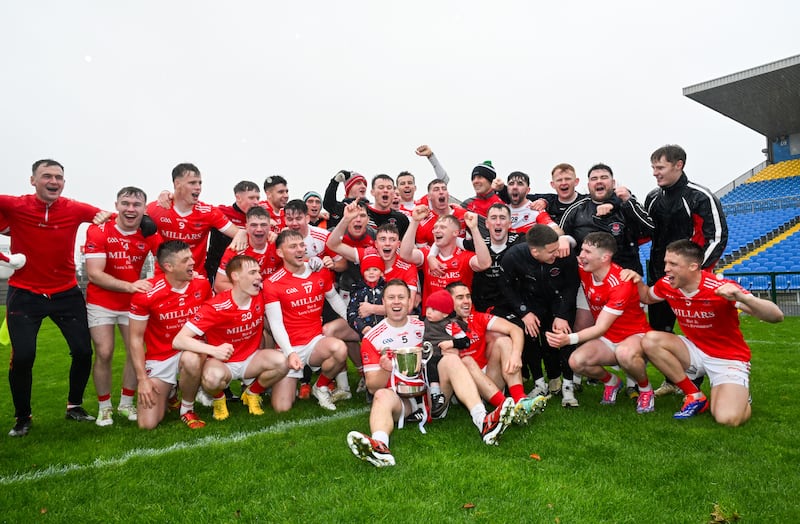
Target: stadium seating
x=760, y=212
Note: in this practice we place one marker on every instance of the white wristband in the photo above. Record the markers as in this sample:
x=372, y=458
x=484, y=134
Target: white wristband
x=573, y=339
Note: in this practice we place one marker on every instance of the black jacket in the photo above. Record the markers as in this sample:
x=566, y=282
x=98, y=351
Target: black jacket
x=628, y=223
x=685, y=210
x=542, y=289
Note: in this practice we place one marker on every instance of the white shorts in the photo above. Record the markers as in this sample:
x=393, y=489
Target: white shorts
x=613, y=345
x=719, y=370
x=164, y=370
x=304, y=352
x=100, y=316
x=237, y=369
x=580, y=299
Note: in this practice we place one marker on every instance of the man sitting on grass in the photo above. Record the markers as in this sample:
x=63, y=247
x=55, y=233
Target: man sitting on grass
x=233, y=323
x=396, y=331
x=712, y=343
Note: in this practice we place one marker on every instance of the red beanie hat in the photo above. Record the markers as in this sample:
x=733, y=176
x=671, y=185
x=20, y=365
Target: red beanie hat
x=371, y=259
x=354, y=179
x=440, y=300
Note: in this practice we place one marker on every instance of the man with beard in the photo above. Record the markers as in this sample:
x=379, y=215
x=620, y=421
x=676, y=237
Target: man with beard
x=523, y=217
x=277, y=193
x=628, y=223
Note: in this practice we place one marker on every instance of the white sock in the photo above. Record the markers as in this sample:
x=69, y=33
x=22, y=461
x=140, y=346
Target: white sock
x=648, y=387
x=186, y=407
x=436, y=388
x=478, y=413
x=566, y=382
x=541, y=383
x=341, y=381
x=629, y=382
x=105, y=403
x=381, y=436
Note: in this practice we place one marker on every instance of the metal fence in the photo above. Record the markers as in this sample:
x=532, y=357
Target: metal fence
x=782, y=287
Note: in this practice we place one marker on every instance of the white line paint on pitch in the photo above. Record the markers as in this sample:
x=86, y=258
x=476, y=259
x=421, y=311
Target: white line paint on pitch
x=280, y=427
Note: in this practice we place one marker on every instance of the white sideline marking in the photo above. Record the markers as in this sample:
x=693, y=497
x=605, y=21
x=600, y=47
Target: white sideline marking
x=60, y=470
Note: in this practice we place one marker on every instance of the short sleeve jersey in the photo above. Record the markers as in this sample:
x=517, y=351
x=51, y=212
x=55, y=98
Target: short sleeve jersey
x=456, y=269
x=166, y=310
x=478, y=324
x=301, y=298
x=268, y=261
x=124, y=254
x=708, y=320
x=523, y=218
x=193, y=228
x=386, y=336
x=618, y=298
x=221, y=321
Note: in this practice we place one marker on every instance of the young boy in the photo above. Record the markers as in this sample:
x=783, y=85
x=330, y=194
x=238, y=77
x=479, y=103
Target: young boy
x=441, y=324
x=369, y=290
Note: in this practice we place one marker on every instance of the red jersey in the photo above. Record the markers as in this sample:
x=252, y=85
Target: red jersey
x=235, y=215
x=480, y=204
x=124, y=254
x=301, y=298
x=268, y=261
x=45, y=234
x=276, y=218
x=193, y=228
x=523, y=218
x=405, y=271
x=384, y=336
x=708, y=320
x=456, y=270
x=618, y=298
x=221, y=321
x=166, y=310
x=477, y=325
x=425, y=228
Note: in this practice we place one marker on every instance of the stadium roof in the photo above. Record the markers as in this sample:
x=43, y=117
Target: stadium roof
x=766, y=98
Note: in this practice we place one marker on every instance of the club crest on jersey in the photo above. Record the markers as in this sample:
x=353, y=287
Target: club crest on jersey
x=555, y=271
x=616, y=228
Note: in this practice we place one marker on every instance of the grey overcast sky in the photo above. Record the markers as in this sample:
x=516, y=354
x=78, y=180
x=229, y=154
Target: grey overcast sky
x=120, y=92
